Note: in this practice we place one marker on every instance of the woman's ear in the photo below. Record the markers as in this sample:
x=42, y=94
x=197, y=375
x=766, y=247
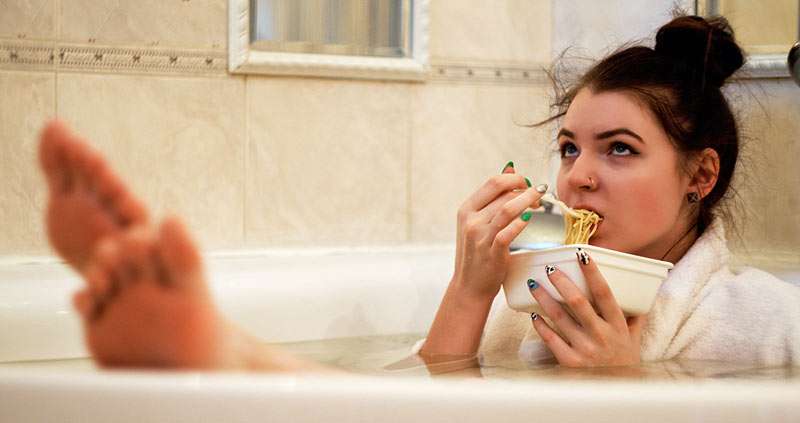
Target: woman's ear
x=706, y=172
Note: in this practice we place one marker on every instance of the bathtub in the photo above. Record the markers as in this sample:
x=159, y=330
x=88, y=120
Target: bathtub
x=289, y=296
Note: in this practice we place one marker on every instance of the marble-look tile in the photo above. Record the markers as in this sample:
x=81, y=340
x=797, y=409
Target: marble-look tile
x=27, y=19
x=768, y=182
x=179, y=142
x=594, y=29
x=504, y=31
x=28, y=100
x=327, y=162
x=172, y=23
x=462, y=136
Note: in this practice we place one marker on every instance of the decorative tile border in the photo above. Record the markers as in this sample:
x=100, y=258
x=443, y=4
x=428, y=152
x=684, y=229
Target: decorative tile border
x=486, y=73
x=52, y=56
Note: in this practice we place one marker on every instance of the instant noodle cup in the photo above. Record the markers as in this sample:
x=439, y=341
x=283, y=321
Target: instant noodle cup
x=634, y=280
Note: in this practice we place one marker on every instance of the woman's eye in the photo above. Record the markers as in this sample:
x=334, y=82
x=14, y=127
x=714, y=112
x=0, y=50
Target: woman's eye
x=620, y=149
x=569, y=150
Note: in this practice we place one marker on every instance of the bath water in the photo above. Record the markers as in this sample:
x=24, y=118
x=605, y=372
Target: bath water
x=389, y=356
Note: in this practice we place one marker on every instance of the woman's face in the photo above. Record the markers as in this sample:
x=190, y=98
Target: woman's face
x=636, y=183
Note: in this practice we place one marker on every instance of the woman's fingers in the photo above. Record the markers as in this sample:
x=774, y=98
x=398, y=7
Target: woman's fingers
x=487, y=213
x=513, y=209
x=502, y=241
x=557, y=314
x=604, y=299
x=491, y=189
x=576, y=301
x=563, y=352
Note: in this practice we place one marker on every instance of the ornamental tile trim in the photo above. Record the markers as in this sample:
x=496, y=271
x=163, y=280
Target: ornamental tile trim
x=52, y=56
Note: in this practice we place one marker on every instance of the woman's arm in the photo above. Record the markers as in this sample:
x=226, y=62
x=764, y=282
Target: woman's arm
x=487, y=223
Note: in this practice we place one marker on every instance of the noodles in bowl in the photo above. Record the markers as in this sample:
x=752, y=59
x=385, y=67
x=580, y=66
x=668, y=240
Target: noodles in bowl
x=633, y=280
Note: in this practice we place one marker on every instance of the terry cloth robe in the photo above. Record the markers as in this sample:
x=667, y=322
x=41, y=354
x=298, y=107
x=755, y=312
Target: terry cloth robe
x=703, y=311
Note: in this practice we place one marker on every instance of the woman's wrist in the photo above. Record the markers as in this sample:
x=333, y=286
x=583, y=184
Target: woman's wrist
x=468, y=293
x=459, y=322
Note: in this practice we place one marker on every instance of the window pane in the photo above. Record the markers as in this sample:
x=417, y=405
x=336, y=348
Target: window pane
x=351, y=27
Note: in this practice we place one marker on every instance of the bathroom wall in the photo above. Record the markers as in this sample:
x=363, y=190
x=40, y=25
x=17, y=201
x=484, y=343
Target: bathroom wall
x=257, y=162
x=253, y=161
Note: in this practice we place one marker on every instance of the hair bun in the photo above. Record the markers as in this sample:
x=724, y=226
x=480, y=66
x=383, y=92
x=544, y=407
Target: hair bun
x=705, y=51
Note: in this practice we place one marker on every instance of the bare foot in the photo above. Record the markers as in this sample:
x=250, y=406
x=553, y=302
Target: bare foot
x=147, y=305
x=87, y=200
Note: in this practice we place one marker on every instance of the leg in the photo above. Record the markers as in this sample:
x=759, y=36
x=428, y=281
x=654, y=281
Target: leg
x=146, y=303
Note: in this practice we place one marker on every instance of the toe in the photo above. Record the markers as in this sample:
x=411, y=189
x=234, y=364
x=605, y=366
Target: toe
x=137, y=249
x=55, y=139
x=128, y=210
x=101, y=274
x=181, y=259
x=82, y=301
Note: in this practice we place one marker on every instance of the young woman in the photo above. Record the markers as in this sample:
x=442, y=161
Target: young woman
x=647, y=141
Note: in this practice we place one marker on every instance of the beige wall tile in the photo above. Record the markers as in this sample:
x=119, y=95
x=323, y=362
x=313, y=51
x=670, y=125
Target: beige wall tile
x=166, y=23
x=505, y=30
x=463, y=135
x=28, y=100
x=29, y=19
x=327, y=162
x=179, y=142
x=769, y=186
x=762, y=29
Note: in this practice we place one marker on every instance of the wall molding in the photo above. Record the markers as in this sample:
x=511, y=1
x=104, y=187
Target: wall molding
x=69, y=57
x=52, y=56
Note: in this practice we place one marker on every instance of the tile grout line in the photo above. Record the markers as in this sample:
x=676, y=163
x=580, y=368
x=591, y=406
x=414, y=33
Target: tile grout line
x=57, y=18
x=246, y=158
x=409, y=158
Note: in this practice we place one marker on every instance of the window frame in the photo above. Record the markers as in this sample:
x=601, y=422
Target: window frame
x=756, y=66
x=244, y=60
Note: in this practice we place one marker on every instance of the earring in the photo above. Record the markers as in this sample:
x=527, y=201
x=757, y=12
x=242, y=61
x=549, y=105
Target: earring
x=693, y=197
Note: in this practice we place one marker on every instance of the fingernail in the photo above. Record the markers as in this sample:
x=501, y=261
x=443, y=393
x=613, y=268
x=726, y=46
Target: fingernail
x=541, y=189
x=526, y=216
x=534, y=316
x=583, y=256
x=532, y=284
x=549, y=269
x=528, y=181
x=508, y=165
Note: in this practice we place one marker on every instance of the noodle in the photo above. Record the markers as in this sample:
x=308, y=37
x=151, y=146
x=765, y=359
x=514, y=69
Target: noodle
x=580, y=225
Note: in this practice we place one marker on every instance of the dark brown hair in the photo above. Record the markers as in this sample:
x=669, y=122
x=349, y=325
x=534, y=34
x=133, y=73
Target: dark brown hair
x=680, y=81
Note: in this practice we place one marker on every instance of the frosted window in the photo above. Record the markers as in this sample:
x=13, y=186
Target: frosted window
x=379, y=28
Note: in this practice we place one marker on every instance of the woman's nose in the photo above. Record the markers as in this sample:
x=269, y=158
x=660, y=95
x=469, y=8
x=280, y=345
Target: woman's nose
x=582, y=174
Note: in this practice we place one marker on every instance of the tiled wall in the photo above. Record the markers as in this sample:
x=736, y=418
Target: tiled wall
x=256, y=161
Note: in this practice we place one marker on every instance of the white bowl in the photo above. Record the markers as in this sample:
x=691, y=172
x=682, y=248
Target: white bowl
x=634, y=280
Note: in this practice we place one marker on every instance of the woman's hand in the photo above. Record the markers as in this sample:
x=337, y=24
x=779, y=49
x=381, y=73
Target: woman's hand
x=487, y=223
x=604, y=339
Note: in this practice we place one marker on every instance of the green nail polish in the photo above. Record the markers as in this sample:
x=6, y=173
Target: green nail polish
x=508, y=165
x=528, y=181
x=526, y=216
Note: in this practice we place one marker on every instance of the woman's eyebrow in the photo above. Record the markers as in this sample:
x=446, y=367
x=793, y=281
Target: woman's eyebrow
x=565, y=132
x=618, y=131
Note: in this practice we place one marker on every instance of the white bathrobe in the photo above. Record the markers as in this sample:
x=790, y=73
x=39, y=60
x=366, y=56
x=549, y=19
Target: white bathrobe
x=703, y=311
